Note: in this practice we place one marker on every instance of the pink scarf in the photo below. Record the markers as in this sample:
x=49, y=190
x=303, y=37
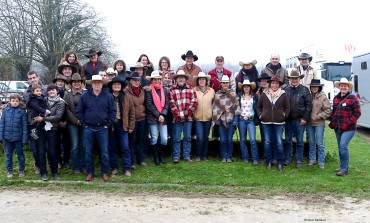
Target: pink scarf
x=158, y=102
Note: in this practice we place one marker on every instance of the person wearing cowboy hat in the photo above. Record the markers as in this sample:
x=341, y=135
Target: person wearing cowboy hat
x=135, y=92
x=96, y=111
x=183, y=102
x=66, y=69
x=189, y=67
x=247, y=120
x=272, y=108
x=274, y=68
x=157, y=108
x=248, y=71
x=76, y=131
x=225, y=112
x=300, y=112
x=305, y=69
x=203, y=114
x=343, y=119
x=139, y=68
x=316, y=124
x=217, y=73
x=123, y=124
x=61, y=82
x=93, y=66
x=111, y=73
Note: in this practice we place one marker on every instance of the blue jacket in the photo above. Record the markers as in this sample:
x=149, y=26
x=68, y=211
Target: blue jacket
x=96, y=111
x=13, y=124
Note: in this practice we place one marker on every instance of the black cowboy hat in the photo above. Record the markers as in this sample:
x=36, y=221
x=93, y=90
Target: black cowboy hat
x=134, y=75
x=60, y=77
x=264, y=76
x=189, y=54
x=116, y=80
x=92, y=52
x=316, y=83
x=305, y=56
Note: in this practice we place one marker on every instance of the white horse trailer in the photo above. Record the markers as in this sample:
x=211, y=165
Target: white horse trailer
x=361, y=80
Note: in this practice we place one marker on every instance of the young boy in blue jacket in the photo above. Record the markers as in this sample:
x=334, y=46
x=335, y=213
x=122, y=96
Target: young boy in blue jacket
x=13, y=129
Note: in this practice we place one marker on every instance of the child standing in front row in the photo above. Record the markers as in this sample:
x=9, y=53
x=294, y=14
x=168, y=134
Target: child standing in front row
x=13, y=129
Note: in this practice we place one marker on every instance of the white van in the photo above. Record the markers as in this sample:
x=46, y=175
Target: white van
x=16, y=86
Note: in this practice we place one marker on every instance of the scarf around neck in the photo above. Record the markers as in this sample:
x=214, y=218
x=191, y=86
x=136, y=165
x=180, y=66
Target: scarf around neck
x=158, y=101
x=136, y=90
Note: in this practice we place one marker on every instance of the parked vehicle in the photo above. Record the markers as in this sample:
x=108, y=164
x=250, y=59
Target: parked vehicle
x=17, y=85
x=5, y=93
x=361, y=79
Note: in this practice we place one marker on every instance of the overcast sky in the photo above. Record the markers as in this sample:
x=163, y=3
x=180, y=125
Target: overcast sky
x=238, y=30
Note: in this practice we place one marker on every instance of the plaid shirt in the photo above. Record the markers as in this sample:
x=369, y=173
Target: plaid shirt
x=183, y=102
x=344, y=117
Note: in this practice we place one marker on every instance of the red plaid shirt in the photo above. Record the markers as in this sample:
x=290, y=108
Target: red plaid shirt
x=183, y=102
x=344, y=116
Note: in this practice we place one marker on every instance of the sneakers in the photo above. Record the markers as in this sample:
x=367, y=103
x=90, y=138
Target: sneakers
x=299, y=165
x=21, y=173
x=322, y=166
x=143, y=164
x=33, y=134
x=37, y=170
x=255, y=162
x=223, y=160
x=114, y=171
x=127, y=173
x=44, y=177
x=311, y=163
x=10, y=174
x=56, y=176
x=189, y=160
x=133, y=167
x=197, y=159
x=229, y=160
x=176, y=160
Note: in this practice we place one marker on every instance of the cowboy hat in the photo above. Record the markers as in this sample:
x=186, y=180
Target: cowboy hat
x=189, y=54
x=66, y=64
x=315, y=83
x=225, y=78
x=96, y=78
x=116, y=80
x=220, y=58
x=264, y=76
x=154, y=74
x=134, y=75
x=202, y=74
x=247, y=82
x=111, y=71
x=295, y=73
x=275, y=78
x=93, y=52
x=252, y=62
x=75, y=77
x=344, y=80
x=60, y=77
x=180, y=73
x=305, y=56
x=138, y=65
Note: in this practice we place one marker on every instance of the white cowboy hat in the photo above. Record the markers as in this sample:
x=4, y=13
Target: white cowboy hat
x=225, y=78
x=154, y=74
x=202, y=74
x=111, y=71
x=344, y=80
x=252, y=62
x=97, y=78
x=247, y=82
x=180, y=73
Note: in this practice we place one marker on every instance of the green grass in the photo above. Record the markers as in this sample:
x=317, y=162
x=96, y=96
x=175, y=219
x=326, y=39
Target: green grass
x=213, y=177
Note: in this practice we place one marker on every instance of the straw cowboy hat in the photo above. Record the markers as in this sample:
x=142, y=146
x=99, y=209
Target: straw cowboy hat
x=134, y=75
x=75, y=77
x=189, y=54
x=295, y=73
x=252, y=62
x=180, y=73
x=344, y=80
x=202, y=74
x=264, y=76
x=305, y=56
x=138, y=65
x=225, y=79
x=97, y=78
x=60, y=77
x=111, y=71
x=154, y=74
x=116, y=80
x=247, y=82
x=66, y=64
x=275, y=78
x=93, y=52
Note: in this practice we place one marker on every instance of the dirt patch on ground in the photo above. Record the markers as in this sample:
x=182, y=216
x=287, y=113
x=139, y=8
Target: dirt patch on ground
x=61, y=206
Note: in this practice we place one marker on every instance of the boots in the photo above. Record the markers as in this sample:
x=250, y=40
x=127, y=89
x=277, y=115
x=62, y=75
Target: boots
x=161, y=154
x=155, y=154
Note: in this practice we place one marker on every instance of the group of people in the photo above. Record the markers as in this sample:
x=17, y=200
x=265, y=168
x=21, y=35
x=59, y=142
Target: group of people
x=130, y=113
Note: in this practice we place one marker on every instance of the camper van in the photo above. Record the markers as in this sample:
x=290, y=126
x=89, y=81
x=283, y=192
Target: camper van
x=361, y=79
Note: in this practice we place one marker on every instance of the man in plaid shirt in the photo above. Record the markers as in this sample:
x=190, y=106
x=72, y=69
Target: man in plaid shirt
x=183, y=102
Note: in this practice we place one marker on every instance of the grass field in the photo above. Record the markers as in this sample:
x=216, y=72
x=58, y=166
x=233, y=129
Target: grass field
x=215, y=177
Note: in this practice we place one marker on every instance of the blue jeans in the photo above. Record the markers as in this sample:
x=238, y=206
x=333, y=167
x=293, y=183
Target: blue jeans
x=316, y=138
x=245, y=127
x=202, y=129
x=226, y=140
x=343, y=139
x=157, y=130
x=9, y=150
x=293, y=127
x=101, y=137
x=34, y=145
x=47, y=143
x=185, y=128
x=118, y=141
x=136, y=142
x=77, y=147
x=273, y=142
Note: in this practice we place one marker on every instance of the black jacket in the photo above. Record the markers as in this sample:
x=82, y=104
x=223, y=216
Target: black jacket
x=300, y=102
x=152, y=112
